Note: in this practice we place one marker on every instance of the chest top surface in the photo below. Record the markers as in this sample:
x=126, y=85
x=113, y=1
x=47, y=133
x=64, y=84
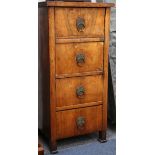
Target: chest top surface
x=74, y=4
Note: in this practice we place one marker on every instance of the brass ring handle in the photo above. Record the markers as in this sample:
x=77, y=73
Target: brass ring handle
x=80, y=24
x=80, y=122
x=80, y=91
x=80, y=59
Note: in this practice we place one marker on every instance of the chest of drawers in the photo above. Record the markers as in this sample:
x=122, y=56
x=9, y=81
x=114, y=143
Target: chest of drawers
x=73, y=69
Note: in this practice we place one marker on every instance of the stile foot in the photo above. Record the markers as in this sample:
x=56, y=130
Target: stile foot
x=102, y=137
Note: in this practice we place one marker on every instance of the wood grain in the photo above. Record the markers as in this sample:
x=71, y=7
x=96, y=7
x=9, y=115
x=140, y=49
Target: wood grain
x=79, y=40
x=78, y=106
x=66, y=90
x=76, y=4
x=66, y=121
x=65, y=20
x=105, y=64
x=52, y=77
x=43, y=73
x=79, y=74
x=66, y=57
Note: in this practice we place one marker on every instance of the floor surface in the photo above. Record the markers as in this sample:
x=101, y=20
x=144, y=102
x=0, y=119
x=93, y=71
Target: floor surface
x=86, y=144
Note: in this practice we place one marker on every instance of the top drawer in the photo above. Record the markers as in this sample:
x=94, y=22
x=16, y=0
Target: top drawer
x=79, y=22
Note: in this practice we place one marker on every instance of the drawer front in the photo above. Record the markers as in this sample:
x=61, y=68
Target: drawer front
x=72, y=22
x=75, y=58
x=79, y=90
x=79, y=121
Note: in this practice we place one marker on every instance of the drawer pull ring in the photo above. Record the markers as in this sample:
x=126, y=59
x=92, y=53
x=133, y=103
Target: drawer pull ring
x=80, y=59
x=80, y=91
x=80, y=122
x=80, y=24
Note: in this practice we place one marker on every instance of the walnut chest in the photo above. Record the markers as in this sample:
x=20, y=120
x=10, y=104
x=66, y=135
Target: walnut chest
x=73, y=69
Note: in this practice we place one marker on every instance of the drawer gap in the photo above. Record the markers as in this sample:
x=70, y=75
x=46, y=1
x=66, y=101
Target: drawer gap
x=79, y=74
x=84, y=105
x=78, y=40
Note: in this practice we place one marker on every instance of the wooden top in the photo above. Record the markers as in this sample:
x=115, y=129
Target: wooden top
x=75, y=4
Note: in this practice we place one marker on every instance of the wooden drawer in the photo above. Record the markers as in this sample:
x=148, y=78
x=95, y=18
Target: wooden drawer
x=75, y=58
x=78, y=121
x=72, y=22
x=79, y=90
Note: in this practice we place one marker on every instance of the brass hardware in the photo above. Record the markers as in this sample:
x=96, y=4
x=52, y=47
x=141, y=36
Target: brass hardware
x=80, y=59
x=80, y=122
x=80, y=24
x=80, y=91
